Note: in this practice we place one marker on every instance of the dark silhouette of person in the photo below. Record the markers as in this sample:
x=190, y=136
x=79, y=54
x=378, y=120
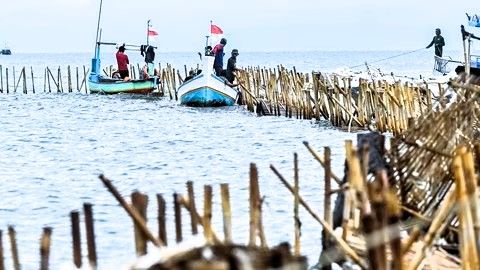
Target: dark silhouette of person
x=439, y=42
x=232, y=66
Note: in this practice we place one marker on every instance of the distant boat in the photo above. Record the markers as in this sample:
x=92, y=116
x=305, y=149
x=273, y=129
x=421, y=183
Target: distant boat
x=6, y=51
x=99, y=84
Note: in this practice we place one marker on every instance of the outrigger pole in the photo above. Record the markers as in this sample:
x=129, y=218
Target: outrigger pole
x=98, y=29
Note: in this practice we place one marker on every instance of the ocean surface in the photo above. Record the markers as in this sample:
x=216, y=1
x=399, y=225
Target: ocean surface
x=54, y=146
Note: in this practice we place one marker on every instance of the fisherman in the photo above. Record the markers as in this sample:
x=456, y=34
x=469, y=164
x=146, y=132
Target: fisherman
x=149, y=58
x=439, y=43
x=122, y=62
x=232, y=66
x=218, y=62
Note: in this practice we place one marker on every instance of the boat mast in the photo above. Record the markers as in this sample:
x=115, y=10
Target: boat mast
x=148, y=31
x=98, y=29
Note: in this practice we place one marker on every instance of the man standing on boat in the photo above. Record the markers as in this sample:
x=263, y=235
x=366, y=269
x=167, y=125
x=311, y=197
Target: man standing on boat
x=218, y=62
x=232, y=66
x=122, y=62
x=439, y=43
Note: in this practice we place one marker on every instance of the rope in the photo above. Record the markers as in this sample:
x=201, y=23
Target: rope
x=380, y=60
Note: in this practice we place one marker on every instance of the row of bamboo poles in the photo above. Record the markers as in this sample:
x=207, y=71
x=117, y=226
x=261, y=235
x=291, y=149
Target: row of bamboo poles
x=261, y=256
x=374, y=104
x=71, y=80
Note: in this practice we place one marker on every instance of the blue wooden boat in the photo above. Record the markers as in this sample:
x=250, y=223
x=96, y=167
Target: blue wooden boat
x=206, y=89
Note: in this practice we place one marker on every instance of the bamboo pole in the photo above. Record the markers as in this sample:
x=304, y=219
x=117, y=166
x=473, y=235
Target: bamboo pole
x=227, y=213
x=90, y=232
x=343, y=245
x=140, y=204
x=45, y=248
x=76, y=243
x=132, y=212
x=178, y=218
x=191, y=202
x=33, y=79
x=6, y=77
x=13, y=246
x=296, y=218
x=322, y=162
x=207, y=214
x=1, y=83
x=2, y=257
x=162, y=229
x=253, y=187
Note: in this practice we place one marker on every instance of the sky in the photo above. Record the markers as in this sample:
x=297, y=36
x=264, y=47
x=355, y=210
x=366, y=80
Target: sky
x=249, y=25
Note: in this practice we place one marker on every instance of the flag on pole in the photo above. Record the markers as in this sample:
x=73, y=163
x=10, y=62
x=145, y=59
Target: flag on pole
x=215, y=30
x=151, y=33
x=216, y=34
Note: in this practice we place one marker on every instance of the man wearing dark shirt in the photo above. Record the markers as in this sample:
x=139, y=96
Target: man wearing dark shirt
x=439, y=43
x=232, y=66
x=122, y=62
x=218, y=62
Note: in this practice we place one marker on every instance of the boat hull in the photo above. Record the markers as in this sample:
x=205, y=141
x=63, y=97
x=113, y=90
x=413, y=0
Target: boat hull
x=206, y=91
x=119, y=86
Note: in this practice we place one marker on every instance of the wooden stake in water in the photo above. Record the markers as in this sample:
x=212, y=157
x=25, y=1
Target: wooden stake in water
x=227, y=213
x=90, y=231
x=178, y=218
x=296, y=190
x=13, y=246
x=191, y=202
x=45, y=248
x=207, y=214
x=76, y=243
x=2, y=257
x=162, y=231
x=140, y=203
x=132, y=212
x=33, y=80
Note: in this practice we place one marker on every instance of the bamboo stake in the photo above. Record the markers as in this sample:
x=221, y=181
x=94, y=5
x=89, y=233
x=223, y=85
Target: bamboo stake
x=13, y=246
x=343, y=245
x=253, y=205
x=140, y=203
x=162, y=231
x=45, y=248
x=132, y=212
x=90, y=232
x=2, y=257
x=227, y=213
x=33, y=80
x=178, y=218
x=322, y=162
x=76, y=243
x=191, y=201
x=296, y=219
x=207, y=214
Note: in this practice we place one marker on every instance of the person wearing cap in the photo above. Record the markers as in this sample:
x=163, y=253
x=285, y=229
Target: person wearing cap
x=439, y=42
x=218, y=62
x=122, y=62
x=232, y=66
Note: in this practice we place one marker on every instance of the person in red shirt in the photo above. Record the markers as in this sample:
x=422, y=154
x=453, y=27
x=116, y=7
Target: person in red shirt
x=122, y=61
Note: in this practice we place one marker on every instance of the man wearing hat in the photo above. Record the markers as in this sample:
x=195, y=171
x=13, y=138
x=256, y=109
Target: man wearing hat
x=232, y=66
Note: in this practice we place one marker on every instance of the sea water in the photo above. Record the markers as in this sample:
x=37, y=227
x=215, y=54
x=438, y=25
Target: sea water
x=54, y=146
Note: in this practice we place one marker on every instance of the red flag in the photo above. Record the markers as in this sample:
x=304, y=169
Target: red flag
x=216, y=30
x=152, y=32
